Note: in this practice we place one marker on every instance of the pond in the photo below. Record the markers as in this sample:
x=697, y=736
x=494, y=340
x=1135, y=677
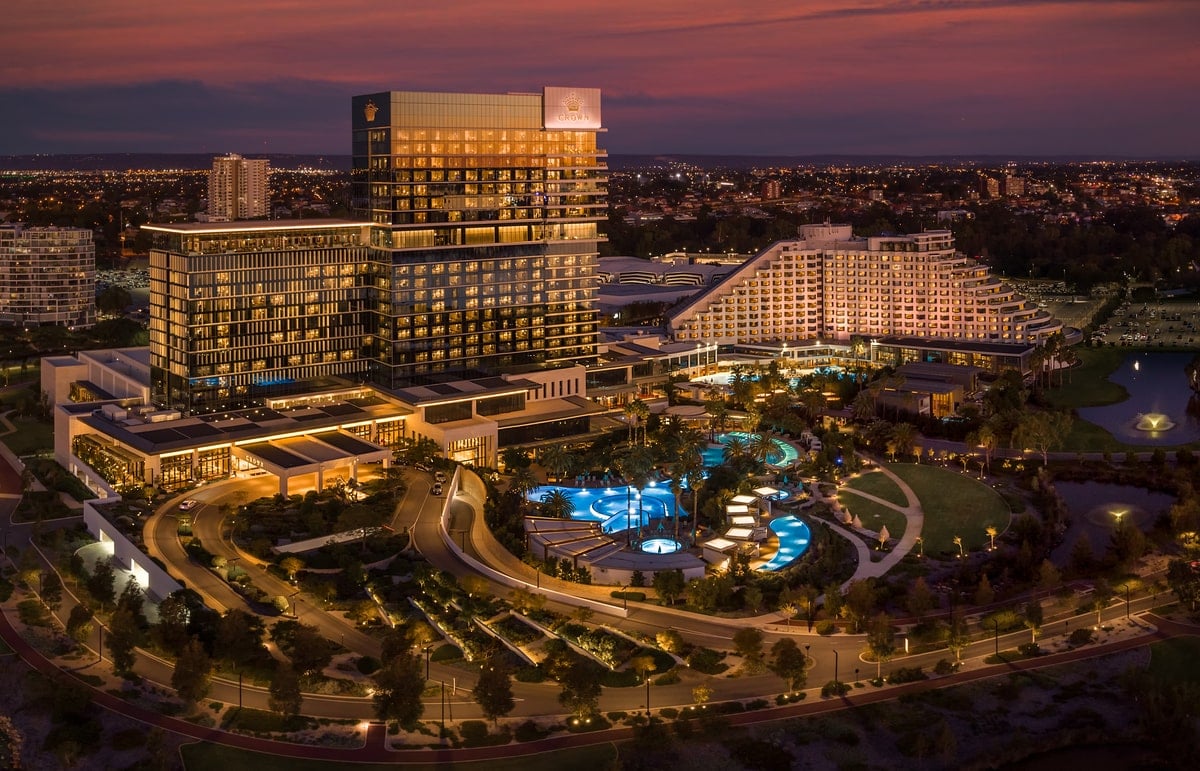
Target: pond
x=1095, y=507
x=1156, y=412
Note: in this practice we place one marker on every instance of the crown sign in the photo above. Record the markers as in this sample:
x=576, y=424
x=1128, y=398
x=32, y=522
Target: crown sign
x=370, y=110
x=573, y=103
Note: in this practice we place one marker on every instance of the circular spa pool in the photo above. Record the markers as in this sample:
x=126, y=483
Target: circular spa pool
x=660, y=546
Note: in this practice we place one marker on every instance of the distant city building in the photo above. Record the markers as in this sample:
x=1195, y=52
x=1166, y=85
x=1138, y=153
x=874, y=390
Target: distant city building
x=771, y=189
x=830, y=285
x=237, y=188
x=990, y=186
x=484, y=210
x=1014, y=186
x=47, y=276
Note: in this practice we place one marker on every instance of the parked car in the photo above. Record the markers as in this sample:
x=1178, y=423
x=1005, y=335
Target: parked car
x=439, y=477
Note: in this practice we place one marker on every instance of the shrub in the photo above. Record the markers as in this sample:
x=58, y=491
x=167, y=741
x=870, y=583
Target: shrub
x=446, y=652
x=473, y=731
x=670, y=677
x=367, y=664
x=617, y=716
x=906, y=675
x=1029, y=649
x=707, y=661
x=944, y=667
x=756, y=704
x=1080, y=637
x=790, y=698
x=631, y=596
x=835, y=688
x=529, y=732
x=670, y=713
x=825, y=627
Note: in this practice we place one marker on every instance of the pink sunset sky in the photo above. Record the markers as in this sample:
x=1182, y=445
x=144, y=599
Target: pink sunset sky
x=914, y=77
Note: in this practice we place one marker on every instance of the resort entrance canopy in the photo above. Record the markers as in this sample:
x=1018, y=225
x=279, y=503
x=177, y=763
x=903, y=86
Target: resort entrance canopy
x=312, y=454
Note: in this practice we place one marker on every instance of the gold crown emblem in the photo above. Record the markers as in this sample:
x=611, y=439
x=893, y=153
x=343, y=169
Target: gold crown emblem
x=573, y=103
x=370, y=110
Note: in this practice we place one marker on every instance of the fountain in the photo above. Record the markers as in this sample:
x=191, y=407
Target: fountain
x=1154, y=422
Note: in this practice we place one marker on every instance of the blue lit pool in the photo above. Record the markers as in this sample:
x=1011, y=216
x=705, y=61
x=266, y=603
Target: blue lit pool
x=660, y=546
x=782, y=454
x=616, y=508
x=794, y=536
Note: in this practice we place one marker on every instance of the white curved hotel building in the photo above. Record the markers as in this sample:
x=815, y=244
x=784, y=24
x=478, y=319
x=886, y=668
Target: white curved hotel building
x=829, y=285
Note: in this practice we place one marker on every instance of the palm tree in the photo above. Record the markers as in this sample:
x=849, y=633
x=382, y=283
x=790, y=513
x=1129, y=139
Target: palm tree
x=760, y=446
x=557, y=504
x=635, y=463
x=735, y=449
x=522, y=482
x=904, y=435
x=557, y=460
x=958, y=543
x=987, y=440
x=676, y=484
x=718, y=412
x=694, y=474
x=991, y=534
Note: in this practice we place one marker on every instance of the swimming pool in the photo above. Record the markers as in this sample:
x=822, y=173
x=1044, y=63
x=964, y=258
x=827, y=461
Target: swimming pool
x=616, y=508
x=782, y=454
x=794, y=536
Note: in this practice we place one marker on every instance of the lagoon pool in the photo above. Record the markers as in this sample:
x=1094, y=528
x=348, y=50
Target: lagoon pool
x=616, y=508
x=794, y=537
x=783, y=454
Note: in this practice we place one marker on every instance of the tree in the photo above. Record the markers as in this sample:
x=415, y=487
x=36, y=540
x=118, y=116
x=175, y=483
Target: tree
x=493, y=691
x=1082, y=559
x=789, y=663
x=919, y=600
x=124, y=635
x=859, y=602
x=1042, y=431
x=580, y=690
x=669, y=640
x=80, y=623
x=304, y=644
x=984, y=594
x=100, y=583
x=904, y=438
x=52, y=590
x=133, y=599
x=1049, y=576
x=748, y=642
x=399, y=684
x=1184, y=580
x=834, y=600
x=557, y=504
x=1033, y=618
x=958, y=638
x=192, y=677
x=702, y=693
x=284, y=696
x=113, y=300
x=1128, y=542
x=881, y=640
x=239, y=637
x=669, y=584
x=291, y=565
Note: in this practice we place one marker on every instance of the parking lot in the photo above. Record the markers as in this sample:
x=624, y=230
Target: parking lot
x=1161, y=325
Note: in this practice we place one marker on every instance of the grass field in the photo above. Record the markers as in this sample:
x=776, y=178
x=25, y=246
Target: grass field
x=31, y=436
x=1088, y=385
x=873, y=515
x=954, y=504
x=215, y=757
x=880, y=485
x=1174, y=661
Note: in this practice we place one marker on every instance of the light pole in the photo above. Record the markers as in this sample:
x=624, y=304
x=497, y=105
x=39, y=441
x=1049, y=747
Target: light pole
x=1126, y=601
x=646, y=677
x=996, y=624
x=835, y=666
x=239, y=689
x=624, y=598
x=428, y=649
x=807, y=655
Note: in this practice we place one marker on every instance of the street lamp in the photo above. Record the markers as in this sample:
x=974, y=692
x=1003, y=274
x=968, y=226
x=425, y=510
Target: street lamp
x=807, y=656
x=428, y=650
x=996, y=624
x=646, y=677
x=835, y=666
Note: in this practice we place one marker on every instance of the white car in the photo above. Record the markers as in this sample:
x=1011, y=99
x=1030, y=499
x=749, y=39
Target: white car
x=439, y=476
x=189, y=504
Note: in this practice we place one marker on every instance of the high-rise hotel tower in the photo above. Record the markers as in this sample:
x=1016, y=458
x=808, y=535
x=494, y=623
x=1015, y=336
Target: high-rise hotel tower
x=484, y=212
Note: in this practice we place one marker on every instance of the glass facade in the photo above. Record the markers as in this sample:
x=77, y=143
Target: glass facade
x=238, y=313
x=485, y=233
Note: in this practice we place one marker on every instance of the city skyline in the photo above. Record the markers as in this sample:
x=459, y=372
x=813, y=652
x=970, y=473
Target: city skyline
x=1020, y=77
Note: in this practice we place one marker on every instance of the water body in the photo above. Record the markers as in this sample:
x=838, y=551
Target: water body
x=1156, y=383
x=1094, y=507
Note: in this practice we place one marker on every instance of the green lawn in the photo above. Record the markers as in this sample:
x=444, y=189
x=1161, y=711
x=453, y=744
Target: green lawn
x=954, y=504
x=1088, y=385
x=1174, y=661
x=31, y=436
x=880, y=485
x=873, y=515
x=216, y=757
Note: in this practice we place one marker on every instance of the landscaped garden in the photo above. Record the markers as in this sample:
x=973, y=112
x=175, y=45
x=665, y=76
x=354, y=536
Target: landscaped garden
x=880, y=485
x=954, y=505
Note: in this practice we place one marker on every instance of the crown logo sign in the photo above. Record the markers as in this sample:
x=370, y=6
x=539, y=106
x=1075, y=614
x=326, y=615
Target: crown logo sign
x=370, y=110
x=573, y=103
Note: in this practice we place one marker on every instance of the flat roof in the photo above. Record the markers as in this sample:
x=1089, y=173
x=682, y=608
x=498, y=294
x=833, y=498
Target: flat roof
x=242, y=226
x=977, y=346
